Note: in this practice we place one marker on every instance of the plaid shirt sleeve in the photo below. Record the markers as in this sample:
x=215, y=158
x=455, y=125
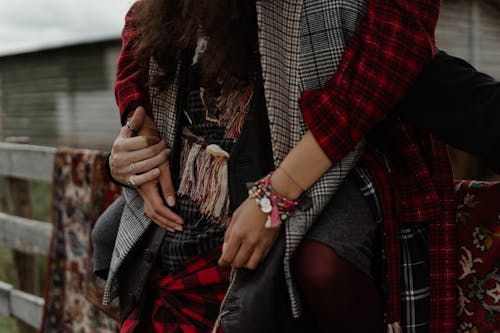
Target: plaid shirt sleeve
x=381, y=61
x=130, y=84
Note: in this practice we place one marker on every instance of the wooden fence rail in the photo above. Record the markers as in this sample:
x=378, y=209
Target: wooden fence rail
x=28, y=236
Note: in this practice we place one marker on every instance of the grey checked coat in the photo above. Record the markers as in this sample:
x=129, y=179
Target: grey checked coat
x=301, y=44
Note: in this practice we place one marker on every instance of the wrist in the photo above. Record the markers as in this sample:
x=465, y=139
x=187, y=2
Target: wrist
x=284, y=186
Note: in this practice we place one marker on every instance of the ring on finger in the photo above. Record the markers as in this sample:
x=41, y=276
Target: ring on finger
x=132, y=167
x=130, y=127
x=131, y=183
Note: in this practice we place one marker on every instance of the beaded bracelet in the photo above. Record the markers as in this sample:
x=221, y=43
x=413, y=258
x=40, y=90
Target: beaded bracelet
x=270, y=202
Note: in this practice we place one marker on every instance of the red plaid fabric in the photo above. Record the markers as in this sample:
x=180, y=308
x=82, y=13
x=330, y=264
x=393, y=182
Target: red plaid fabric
x=187, y=301
x=130, y=84
x=416, y=186
x=414, y=183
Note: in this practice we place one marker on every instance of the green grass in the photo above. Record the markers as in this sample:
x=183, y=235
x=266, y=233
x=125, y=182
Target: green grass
x=8, y=325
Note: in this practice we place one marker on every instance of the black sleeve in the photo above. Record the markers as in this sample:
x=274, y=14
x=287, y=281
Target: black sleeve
x=459, y=105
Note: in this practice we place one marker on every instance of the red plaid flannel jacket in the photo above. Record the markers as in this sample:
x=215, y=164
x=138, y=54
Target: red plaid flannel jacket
x=411, y=170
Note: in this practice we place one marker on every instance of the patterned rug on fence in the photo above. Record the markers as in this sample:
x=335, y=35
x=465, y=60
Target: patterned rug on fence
x=478, y=233
x=73, y=294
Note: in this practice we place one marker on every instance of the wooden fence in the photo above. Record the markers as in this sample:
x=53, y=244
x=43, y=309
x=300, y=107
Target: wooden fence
x=30, y=237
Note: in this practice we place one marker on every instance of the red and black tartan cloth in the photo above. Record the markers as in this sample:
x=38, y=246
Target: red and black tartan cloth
x=414, y=180
x=187, y=301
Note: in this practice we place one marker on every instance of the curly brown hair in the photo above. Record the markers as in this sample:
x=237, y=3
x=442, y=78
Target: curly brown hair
x=170, y=26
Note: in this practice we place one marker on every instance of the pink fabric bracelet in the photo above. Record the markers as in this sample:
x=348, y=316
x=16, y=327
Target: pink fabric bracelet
x=272, y=203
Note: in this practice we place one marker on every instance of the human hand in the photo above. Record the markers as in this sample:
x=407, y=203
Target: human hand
x=143, y=161
x=136, y=157
x=247, y=241
x=155, y=209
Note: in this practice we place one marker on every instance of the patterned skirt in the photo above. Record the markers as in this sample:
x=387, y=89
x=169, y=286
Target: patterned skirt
x=187, y=301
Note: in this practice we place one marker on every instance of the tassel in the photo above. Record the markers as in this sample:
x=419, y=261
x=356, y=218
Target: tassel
x=188, y=176
x=275, y=217
x=205, y=180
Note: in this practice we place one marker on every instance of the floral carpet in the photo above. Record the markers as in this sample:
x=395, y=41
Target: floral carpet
x=73, y=294
x=478, y=239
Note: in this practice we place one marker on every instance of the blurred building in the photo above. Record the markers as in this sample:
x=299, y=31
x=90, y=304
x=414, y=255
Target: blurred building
x=62, y=95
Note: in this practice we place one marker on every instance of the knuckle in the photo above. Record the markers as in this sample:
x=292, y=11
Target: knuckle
x=158, y=148
x=253, y=242
x=238, y=235
x=251, y=266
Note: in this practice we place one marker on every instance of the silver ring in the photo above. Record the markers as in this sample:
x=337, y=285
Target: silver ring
x=130, y=182
x=129, y=126
x=132, y=167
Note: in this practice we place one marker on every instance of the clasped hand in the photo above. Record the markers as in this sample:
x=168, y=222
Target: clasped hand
x=144, y=157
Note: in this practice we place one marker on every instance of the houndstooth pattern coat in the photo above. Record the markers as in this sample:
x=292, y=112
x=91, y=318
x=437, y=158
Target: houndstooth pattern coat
x=301, y=44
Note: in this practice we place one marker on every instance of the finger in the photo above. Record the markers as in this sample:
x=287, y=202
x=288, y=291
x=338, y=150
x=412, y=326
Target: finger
x=254, y=260
x=137, y=156
x=146, y=177
x=137, y=119
x=136, y=143
x=229, y=251
x=150, y=163
x=227, y=234
x=166, y=223
x=125, y=132
x=243, y=254
x=166, y=184
x=153, y=196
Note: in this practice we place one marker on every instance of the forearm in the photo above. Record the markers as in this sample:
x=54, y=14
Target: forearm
x=301, y=168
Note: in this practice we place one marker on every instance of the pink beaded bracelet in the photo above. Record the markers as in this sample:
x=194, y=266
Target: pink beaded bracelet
x=270, y=202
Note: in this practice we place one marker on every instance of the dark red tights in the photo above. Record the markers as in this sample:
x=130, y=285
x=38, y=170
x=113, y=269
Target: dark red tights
x=339, y=297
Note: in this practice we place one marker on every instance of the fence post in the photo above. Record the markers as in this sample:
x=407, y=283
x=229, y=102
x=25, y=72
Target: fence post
x=17, y=194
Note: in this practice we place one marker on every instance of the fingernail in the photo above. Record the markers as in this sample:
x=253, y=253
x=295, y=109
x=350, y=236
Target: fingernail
x=171, y=201
x=170, y=229
x=156, y=172
x=178, y=228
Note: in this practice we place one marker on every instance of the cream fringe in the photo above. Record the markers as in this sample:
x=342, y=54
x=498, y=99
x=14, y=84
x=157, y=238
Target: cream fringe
x=204, y=177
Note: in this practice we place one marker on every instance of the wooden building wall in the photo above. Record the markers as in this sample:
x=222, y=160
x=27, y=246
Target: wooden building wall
x=61, y=96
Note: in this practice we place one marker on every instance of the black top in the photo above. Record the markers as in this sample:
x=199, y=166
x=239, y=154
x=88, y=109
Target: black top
x=459, y=105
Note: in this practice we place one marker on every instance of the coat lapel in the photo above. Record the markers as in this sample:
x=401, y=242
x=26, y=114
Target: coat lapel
x=279, y=33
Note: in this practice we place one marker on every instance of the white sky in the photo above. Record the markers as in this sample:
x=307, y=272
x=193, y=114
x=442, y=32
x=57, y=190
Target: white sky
x=34, y=24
